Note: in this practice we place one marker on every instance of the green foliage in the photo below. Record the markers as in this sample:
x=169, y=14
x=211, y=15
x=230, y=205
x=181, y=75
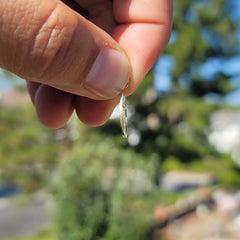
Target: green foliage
x=220, y=166
x=170, y=164
x=28, y=151
x=104, y=193
x=42, y=235
x=221, y=86
x=182, y=114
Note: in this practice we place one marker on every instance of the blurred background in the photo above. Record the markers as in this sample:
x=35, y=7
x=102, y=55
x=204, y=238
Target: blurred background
x=176, y=177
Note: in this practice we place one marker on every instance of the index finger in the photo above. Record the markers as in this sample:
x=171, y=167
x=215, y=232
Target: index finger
x=144, y=30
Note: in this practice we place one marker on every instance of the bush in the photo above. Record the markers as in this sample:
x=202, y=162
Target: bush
x=103, y=192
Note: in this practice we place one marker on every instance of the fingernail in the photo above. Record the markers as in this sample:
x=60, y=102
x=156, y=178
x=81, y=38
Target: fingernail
x=109, y=74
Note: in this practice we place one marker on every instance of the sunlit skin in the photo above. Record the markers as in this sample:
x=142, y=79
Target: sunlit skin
x=62, y=54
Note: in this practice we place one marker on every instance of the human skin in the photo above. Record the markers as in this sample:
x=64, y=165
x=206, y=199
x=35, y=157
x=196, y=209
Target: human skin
x=80, y=55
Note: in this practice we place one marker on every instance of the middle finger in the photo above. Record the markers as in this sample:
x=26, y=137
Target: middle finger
x=99, y=12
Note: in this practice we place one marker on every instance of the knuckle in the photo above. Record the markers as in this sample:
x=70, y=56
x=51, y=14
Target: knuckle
x=51, y=41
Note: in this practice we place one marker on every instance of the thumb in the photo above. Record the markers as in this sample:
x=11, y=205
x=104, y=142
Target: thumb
x=47, y=42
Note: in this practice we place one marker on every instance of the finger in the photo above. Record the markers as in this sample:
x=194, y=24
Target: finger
x=47, y=42
x=142, y=11
x=53, y=107
x=94, y=112
x=100, y=12
x=144, y=32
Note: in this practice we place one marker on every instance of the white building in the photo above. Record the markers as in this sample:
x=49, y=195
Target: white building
x=225, y=132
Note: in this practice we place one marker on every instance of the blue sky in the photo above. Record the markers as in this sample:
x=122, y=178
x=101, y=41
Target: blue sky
x=213, y=66
x=4, y=84
x=235, y=10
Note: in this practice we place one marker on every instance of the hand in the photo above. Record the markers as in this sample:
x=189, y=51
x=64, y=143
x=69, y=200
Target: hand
x=81, y=54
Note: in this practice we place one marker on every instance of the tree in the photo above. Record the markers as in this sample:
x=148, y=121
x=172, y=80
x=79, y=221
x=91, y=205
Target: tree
x=173, y=123
x=28, y=151
x=103, y=192
x=96, y=190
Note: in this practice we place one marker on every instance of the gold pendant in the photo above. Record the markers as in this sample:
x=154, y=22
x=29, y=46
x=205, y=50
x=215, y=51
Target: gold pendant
x=123, y=116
